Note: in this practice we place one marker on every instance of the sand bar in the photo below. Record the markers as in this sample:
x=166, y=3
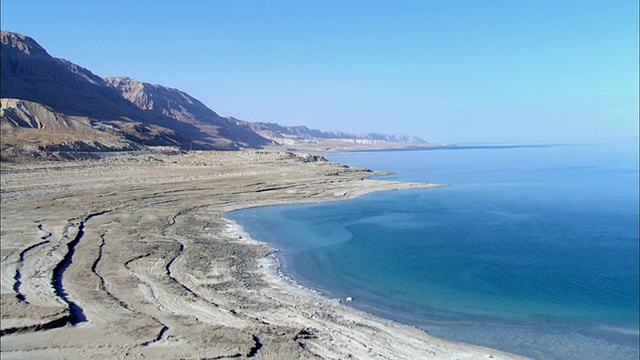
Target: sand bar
x=130, y=257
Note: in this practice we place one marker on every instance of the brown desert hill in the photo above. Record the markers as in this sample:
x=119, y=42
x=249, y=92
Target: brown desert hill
x=30, y=73
x=135, y=112
x=26, y=122
x=206, y=126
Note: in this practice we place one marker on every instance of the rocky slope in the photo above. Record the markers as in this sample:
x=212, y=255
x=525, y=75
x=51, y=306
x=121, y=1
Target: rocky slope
x=51, y=104
x=27, y=123
x=144, y=114
x=199, y=123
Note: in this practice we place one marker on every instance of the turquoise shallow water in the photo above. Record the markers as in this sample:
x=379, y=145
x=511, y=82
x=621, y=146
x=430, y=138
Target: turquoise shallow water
x=532, y=250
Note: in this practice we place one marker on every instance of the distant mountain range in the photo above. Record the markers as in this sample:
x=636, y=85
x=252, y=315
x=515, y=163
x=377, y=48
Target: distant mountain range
x=52, y=104
x=296, y=134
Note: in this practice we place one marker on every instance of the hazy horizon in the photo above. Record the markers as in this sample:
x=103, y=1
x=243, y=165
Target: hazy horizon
x=459, y=72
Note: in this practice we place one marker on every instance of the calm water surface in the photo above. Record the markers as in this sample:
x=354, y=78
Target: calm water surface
x=530, y=249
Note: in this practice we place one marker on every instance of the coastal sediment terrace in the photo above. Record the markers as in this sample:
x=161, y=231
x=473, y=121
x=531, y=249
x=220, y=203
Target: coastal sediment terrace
x=129, y=256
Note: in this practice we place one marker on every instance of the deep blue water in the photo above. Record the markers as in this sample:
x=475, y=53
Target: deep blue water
x=532, y=250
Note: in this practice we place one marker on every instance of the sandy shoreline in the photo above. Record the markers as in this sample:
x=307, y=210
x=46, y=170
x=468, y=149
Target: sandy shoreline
x=130, y=257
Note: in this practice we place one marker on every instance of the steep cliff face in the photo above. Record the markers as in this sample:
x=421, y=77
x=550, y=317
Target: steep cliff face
x=138, y=112
x=30, y=73
x=199, y=123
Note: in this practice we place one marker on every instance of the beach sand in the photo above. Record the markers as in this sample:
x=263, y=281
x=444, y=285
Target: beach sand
x=130, y=257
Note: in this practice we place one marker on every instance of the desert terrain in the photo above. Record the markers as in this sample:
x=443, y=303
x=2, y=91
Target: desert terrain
x=129, y=256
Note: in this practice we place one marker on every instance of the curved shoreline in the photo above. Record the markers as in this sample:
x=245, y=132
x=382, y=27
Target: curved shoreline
x=173, y=280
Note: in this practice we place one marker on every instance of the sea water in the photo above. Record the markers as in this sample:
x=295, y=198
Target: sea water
x=530, y=249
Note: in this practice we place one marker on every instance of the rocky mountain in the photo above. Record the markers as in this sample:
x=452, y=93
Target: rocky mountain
x=198, y=123
x=52, y=104
x=30, y=73
x=140, y=113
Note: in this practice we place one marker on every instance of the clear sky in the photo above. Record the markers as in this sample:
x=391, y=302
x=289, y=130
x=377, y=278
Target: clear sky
x=446, y=70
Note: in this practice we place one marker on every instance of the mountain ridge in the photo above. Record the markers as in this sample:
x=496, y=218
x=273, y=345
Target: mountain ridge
x=29, y=73
x=202, y=124
x=48, y=99
x=301, y=133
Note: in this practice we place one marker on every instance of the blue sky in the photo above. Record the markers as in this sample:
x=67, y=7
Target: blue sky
x=448, y=71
